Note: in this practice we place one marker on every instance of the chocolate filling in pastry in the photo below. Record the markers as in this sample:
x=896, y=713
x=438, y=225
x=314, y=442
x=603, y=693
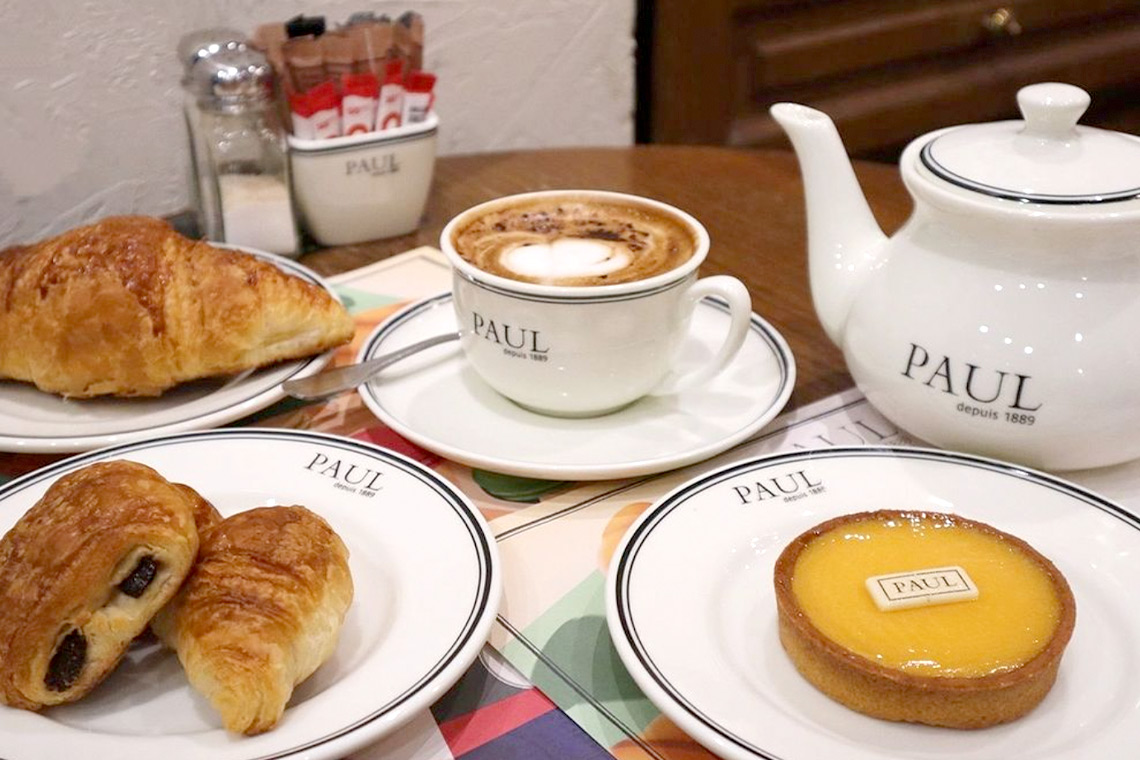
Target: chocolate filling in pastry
x=67, y=662
x=71, y=654
x=136, y=583
x=83, y=572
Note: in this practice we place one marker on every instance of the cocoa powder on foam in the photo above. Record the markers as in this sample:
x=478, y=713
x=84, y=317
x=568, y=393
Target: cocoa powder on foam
x=655, y=240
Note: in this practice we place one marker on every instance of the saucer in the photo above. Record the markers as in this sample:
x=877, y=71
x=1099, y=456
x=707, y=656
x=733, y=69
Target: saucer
x=437, y=401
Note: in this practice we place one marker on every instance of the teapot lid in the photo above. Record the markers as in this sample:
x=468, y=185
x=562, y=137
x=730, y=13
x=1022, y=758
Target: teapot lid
x=1047, y=158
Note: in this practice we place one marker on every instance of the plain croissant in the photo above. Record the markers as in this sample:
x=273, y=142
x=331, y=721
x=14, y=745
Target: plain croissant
x=261, y=610
x=129, y=307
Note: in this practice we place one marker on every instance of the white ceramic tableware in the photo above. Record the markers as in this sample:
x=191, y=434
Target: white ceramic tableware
x=436, y=400
x=692, y=611
x=366, y=186
x=579, y=351
x=1000, y=319
x=426, y=574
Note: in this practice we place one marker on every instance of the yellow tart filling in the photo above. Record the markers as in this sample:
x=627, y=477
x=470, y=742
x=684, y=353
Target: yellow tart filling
x=1011, y=620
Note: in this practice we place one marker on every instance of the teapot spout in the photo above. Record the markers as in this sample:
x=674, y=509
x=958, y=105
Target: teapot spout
x=844, y=240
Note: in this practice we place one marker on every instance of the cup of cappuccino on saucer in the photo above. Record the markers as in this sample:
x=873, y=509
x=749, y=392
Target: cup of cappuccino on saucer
x=576, y=303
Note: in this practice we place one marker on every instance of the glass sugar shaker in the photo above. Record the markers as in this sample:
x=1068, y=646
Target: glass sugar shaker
x=243, y=162
x=193, y=48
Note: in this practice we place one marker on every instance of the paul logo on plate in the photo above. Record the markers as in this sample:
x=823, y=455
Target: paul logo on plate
x=789, y=486
x=347, y=476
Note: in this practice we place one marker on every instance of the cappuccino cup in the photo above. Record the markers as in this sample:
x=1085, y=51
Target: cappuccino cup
x=576, y=303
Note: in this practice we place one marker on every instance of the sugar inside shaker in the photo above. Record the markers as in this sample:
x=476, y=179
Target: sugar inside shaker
x=241, y=151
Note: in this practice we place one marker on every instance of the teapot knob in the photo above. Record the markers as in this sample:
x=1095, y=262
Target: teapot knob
x=1052, y=109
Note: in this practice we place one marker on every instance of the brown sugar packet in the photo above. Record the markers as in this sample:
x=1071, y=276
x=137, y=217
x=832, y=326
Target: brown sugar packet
x=268, y=38
x=305, y=61
x=359, y=46
x=410, y=40
x=401, y=47
x=372, y=44
x=337, y=54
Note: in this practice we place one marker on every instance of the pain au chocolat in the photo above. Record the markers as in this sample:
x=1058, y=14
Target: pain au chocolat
x=261, y=611
x=82, y=573
x=862, y=617
x=128, y=307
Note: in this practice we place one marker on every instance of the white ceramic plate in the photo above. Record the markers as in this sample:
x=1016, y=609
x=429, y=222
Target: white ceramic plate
x=33, y=421
x=436, y=400
x=427, y=586
x=691, y=609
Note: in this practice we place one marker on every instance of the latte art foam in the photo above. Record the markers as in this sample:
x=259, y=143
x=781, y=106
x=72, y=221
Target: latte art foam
x=566, y=258
x=566, y=240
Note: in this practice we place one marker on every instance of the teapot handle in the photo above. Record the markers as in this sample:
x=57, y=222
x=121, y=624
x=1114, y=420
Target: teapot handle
x=1052, y=109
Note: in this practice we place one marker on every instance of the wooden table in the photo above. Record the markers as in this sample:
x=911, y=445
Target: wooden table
x=750, y=201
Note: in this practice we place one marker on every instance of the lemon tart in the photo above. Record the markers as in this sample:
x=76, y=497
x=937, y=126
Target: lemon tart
x=923, y=617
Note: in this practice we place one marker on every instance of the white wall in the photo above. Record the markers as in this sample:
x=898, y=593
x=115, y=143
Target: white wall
x=90, y=106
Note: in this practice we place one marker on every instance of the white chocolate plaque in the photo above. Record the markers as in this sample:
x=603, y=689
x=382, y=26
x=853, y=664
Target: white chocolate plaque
x=915, y=588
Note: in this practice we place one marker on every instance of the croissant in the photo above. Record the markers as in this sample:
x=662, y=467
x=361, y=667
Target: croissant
x=260, y=612
x=206, y=516
x=128, y=307
x=82, y=573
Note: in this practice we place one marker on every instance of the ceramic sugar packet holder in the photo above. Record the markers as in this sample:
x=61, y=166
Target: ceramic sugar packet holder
x=1000, y=319
x=364, y=187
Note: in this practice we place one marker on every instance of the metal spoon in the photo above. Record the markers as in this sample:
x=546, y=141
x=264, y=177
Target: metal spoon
x=343, y=378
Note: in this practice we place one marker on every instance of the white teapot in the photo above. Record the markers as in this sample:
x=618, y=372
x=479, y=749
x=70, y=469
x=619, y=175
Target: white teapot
x=1004, y=317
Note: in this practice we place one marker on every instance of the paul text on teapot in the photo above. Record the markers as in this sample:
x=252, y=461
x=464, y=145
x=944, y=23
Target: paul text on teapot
x=984, y=386
x=515, y=340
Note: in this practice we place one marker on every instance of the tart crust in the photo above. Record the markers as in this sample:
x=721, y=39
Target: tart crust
x=892, y=694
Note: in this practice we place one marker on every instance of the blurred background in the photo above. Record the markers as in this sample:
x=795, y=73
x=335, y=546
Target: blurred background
x=91, y=112
x=885, y=70
x=91, y=117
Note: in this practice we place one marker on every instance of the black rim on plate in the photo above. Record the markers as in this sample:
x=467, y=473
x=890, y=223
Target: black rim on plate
x=661, y=509
x=456, y=501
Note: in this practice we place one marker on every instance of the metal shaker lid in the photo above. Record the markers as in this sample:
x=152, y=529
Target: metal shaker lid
x=232, y=77
x=204, y=43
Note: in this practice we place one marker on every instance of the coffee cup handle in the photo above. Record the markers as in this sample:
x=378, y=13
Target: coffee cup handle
x=735, y=294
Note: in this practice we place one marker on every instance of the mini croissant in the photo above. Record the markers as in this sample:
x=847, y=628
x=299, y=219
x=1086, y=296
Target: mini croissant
x=261, y=610
x=128, y=307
